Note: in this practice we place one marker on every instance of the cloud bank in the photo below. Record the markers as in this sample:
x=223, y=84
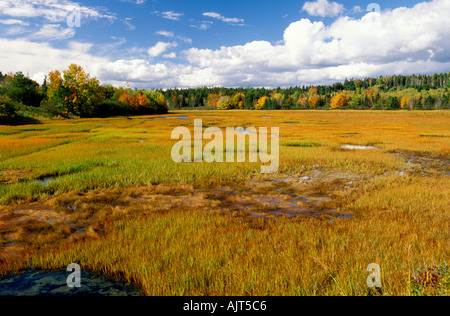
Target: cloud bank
x=399, y=41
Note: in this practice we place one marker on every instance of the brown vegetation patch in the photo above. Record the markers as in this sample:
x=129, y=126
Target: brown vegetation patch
x=14, y=176
x=425, y=164
x=77, y=216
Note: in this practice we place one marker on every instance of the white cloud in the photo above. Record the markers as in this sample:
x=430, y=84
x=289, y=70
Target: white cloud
x=202, y=26
x=220, y=17
x=52, y=10
x=39, y=59
x=165, y=33
x=135, y=1
x=130, y=26
x=160, y=48
x=14, y=22
x=170, y=55
x=53, y=32
x=399, y=41
x=357, y=9
x=323, y=8
x=171, y=15
x=170, y=34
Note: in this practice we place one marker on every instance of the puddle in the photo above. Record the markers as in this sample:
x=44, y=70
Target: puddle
x=45, y=181
x=161, y=118
x=48, y=283
x=177, y=117
x=355, y=147
x=245, y=132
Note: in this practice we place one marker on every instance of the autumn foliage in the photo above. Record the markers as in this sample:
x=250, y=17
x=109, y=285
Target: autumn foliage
x=260, y=103
x=75, y=90
x=339, y=101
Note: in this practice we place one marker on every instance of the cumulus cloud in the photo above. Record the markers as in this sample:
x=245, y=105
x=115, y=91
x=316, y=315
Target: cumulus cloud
x=39, y=59
x=160, y=48
x=170, y=55
x=323, y=8
x=396, y=40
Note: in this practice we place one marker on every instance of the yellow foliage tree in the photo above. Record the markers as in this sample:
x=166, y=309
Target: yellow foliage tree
x=224, y=103
x=260, y=103
x=237, y=101
x=404, y=102
x=339, y=101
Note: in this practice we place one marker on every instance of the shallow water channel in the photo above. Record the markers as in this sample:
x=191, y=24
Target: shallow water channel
x=50, y=283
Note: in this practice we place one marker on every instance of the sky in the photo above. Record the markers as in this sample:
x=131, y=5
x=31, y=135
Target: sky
x=156, y=44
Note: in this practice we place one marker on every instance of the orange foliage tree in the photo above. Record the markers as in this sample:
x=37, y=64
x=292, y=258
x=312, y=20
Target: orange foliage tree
x=313, y=100
x=212, y=99
x=129, y=99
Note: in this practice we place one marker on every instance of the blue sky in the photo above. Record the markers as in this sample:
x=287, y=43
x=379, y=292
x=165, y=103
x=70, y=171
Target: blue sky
x=189, y=43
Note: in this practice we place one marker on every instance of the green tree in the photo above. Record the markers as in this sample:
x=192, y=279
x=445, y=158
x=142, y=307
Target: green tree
x=23, y=89
x=7, y=110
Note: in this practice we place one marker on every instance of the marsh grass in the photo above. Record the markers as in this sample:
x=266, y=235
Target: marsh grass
x=134, y=214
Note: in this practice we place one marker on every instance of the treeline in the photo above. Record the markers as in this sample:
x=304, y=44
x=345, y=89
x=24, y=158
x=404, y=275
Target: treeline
x=72, y=93
x=424, y=92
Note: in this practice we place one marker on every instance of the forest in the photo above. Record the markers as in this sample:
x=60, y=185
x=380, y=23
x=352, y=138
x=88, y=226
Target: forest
x=74, y=93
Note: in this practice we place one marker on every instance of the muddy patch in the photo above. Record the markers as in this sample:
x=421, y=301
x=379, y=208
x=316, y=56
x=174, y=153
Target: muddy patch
x=314, y=193
x=49, y=283
x=423, y=164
